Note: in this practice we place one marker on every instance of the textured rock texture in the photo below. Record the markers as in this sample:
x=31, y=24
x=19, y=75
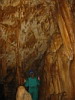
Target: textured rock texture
x=22, y=94
x=59, y=69
x=28, y=29
x=25, y=30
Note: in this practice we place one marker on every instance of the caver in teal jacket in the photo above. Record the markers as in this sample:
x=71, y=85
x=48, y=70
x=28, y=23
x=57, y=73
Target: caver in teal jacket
x=33, y=84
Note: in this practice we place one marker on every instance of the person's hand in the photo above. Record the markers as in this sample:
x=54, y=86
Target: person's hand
x=38, y=78
x=24, y=80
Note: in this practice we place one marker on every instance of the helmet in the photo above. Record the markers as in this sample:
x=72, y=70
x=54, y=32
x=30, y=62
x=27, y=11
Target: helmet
x=31, y=72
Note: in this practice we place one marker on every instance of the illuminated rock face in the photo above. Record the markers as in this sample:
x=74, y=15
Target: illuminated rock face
x=22, y=94
x=59, y=69
x=25, y=29
x=28, y=28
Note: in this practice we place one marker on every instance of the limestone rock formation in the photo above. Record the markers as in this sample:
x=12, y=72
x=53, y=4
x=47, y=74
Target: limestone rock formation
x=22, y=94
x=25, y=29
x=58, y=75
x=30, y=29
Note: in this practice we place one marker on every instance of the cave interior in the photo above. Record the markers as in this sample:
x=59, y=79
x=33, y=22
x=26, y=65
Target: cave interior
x=38, y=35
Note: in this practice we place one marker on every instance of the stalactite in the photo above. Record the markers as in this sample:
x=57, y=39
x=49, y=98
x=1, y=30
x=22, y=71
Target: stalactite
x=59, y=69
x=63, y=24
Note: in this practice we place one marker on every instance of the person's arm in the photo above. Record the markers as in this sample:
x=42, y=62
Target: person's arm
x=26, y=84
x=38, y=81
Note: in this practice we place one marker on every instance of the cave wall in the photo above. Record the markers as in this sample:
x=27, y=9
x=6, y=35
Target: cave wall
x=59, y=69
x=25, y=30
x=30, y=27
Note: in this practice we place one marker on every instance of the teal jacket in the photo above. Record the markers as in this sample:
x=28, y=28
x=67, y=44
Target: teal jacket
x=32, y=82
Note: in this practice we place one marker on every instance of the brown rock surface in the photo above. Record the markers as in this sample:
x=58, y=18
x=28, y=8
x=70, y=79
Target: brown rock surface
x=58, y=75
x=22, y=94
x=28, y=29
x=24, y=31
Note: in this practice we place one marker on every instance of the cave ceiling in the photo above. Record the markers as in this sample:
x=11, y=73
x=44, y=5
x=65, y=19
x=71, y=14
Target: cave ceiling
x=26, y=28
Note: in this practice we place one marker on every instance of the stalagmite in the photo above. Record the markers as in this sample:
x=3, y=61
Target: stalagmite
x=22, y=94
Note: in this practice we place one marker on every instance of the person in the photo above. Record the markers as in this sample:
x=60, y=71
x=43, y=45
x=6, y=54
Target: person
x=32, y=83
